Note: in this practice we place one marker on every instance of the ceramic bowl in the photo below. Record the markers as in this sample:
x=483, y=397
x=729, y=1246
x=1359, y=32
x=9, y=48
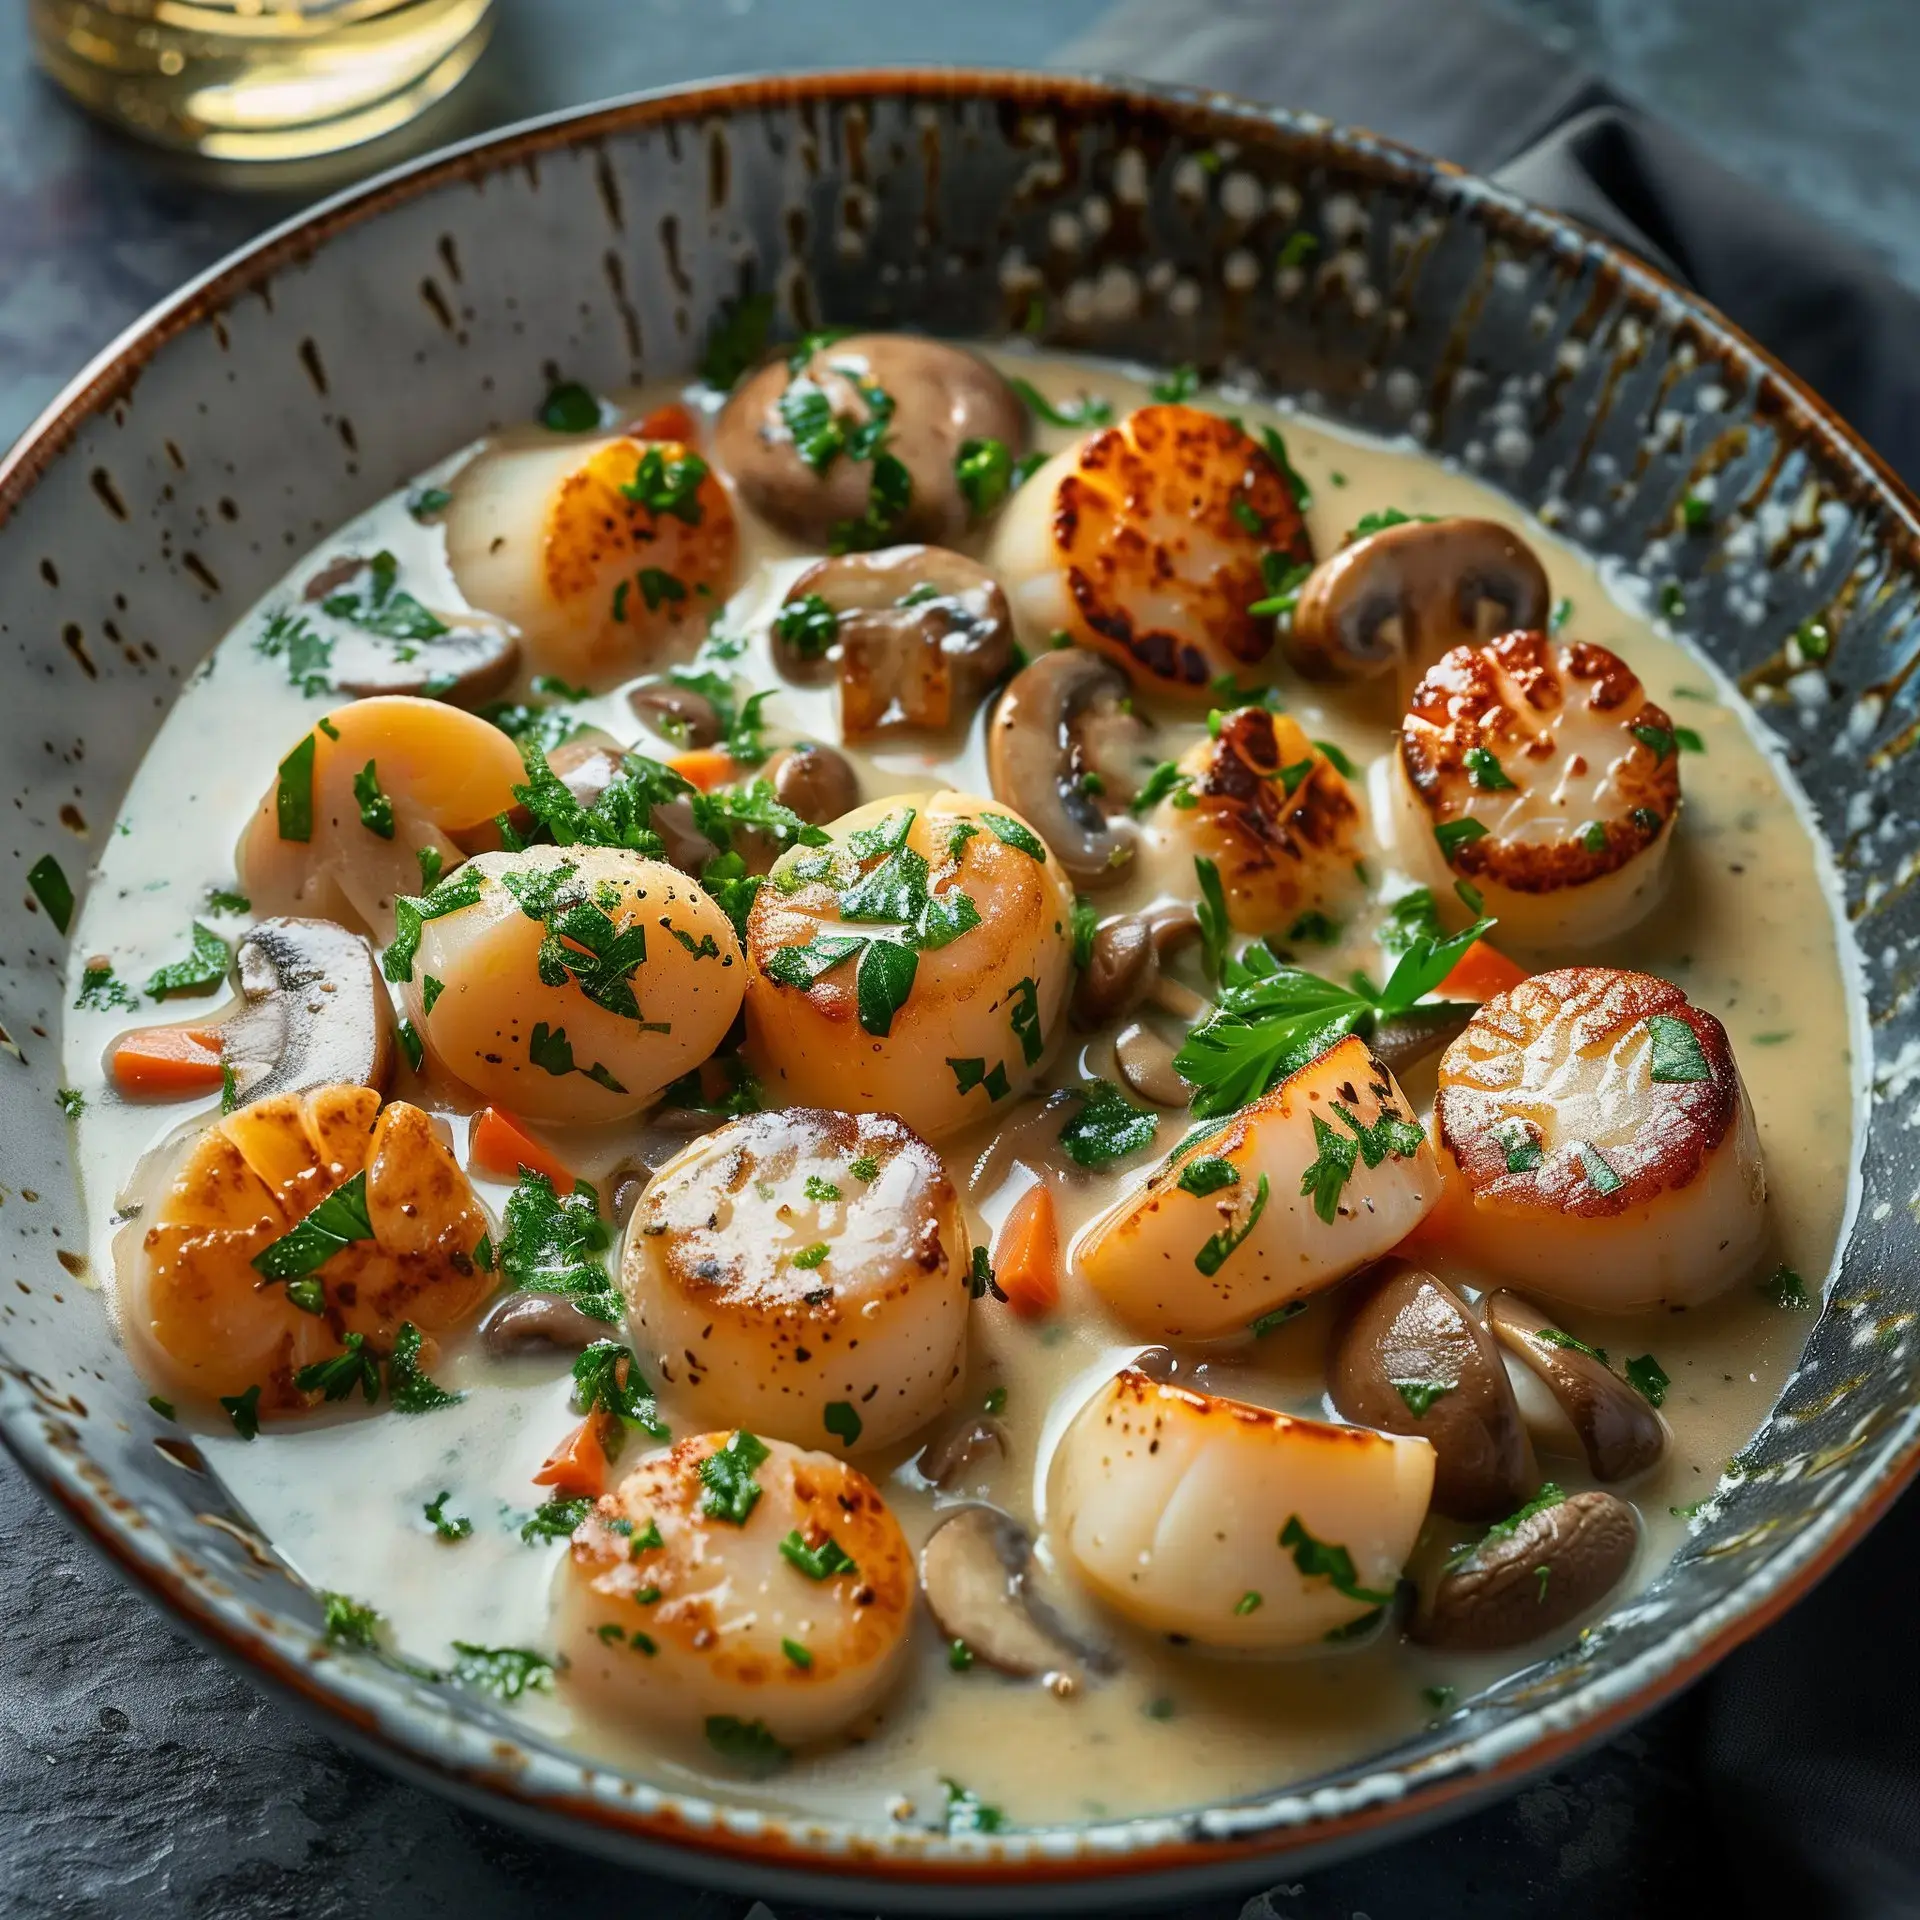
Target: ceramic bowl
x=290, y=388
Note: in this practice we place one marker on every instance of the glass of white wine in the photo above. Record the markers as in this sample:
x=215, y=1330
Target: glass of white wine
x=259, y=79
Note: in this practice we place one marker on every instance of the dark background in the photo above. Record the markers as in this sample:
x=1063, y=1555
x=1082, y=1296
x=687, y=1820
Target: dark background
x=138, y=1774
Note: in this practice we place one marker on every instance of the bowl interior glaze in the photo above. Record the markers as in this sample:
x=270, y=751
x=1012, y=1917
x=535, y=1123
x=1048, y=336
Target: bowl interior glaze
x=290, y=388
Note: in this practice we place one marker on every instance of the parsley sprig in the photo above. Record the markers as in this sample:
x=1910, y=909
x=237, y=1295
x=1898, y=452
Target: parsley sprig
x=1271, y=1019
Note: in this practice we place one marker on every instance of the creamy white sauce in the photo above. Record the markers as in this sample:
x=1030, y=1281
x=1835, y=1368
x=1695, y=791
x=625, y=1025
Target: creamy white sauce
x=1746, y=928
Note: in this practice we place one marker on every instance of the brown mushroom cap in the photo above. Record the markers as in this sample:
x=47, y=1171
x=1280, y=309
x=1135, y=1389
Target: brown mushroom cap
x=1123, y=970
x=1550, y=1568
x=942, y=396
x=922, y=634
x=1063, y=716
x=523, y=1319
x=815, y=781
x=1405, y=595
x=683, y=715
x=974, y=1571
x=945, y=1459
x=474, y=660
x=313, y=1012
x=1407, y=1340
x=1621, y=1434
x=1145, y=1059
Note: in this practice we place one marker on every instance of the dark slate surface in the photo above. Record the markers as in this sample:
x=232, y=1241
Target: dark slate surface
x=139, y=1774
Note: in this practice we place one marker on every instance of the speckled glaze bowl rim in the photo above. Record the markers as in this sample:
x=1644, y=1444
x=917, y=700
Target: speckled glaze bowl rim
x=471, y=1754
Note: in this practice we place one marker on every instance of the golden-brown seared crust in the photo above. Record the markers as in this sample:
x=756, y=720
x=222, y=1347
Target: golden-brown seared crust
x=1520, y=698
x=1275, y=815
x=1165, y=466
x=831, y=1501
x=1585, y=1012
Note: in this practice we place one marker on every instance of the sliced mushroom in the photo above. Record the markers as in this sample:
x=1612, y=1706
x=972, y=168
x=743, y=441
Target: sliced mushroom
x=474, y=659
x=683, y=715
x=940, y=397
x=1621, y=1434
x=1532, y=1578
x=1403, y=596
x=817, y=783
x=975, y=1570
x=1145, y=1060
x=1063, y=717
x=312, y=1012
x=921, y=634
x=946, y=1459
x=1403, y=1040
x=1124, y=970
x=1409, y=1357
x=521, y=1320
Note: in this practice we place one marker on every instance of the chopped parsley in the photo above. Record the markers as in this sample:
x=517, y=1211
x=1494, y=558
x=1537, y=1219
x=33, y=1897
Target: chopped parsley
x=737, y=338
x=967, y=1812
x=101, y=990
x=1211, y=911
x=1485, y=771
x=1106, y=1126
x=382, y=607
x=864, y=1167
x=339, y=1220
x=376, y=810
x=243, y=1409
x=746, y=1743
x=732, y=1492
x=1600, y=1175
x=843, y=1421
x=1648, y=1378
x=1277, y=1318
x=504, y=1672
x=1677, y=1058
x=449, y=1526
x=1786, y=1289
x=1220, y=1246
x=668, y=487
x=1390, y=1135
x=1276, y=446
x=817, y=1563
x=810, y=1257
x=204, y=968
x=555, y=1243
x=308, y=653
x=808, y=625
x=984, y=471
x=1207, y=1174
x=1085, y=924
x=607, y=1380
x=349, y=1622
x=336, y=1378
x=408, y=1388
x=1557, y=1337
x=551, y=1051
x=1177, y=386
x=1317, y=1559
x=556, y=1520
x=1451, y=835
x=410, y=915
x=411, y=1044
x=1165, y=781
x=569, y=408
x=1421, y=1394
x=73, y=1103
x=1086, y=411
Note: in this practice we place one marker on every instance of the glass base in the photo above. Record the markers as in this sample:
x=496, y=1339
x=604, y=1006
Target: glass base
x=260, y=79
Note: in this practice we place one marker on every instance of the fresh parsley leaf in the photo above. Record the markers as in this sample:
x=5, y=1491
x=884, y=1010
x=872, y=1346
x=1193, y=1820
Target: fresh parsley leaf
x=1486, y=772
x=339, y=1220
x=732, y=1492
x=1085, y=924
x=204, y=968
x=1326, y=1177
x=381, y=607
x=842, y=1420
x=968, y=1813
x=551, y=1051
x=1211, y=911
x=408, y=1388
x=817, y=1563
x=607, y=1379
x=243, y=1409
x=308, y=653
x=1276, y=446
x=1176, y=387
x=1165, y=780
x=1316, y=1559
x=1015, y=834
x=449, y=1526
x=1559, y=1337
x=1600, y=1175
x=984, y=471
x=556, y=1244
x=1677, y=1057
x=376, y=810
x=1106, y=1126
x=335, y=1379
x=504, y=1672
x=102, y=991
x=1086, y=411
x=1421, y=1394
x=1786, y=1289
x=556, y=1520
x=808, y=625
x=1220, y=1246
x=746, y=1743
x=666, y=487
x=1451, y=835
x=1207, y=1174
x=349, y=1622
x=410, y=915
x=1648, y=1379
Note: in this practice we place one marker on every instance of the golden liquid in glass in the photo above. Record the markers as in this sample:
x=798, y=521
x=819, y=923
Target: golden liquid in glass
x=259, y=79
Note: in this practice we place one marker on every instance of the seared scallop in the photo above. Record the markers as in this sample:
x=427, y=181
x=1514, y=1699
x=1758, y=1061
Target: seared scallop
x=1296, y=1191
x=1145, y=541
x=1274, y=815
x=608, y=555
x=571, y=983
x=404, y=1226
x=920, y=965
x=1597, y=1145
x=1543, y=776
x=1230, y=1524
x=732, y=1582
x=362, y=796
x=803, y=1273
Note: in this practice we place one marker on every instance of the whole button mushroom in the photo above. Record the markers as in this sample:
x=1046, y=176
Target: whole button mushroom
x=802, y=439
x=1530, y=1576
x=917, y=635
x=1123, y=971
x=817, y=783
x=1409, y=1357
x=1400, y=598
x=1064, y=745
x=683, y=715
x=1621, y=1434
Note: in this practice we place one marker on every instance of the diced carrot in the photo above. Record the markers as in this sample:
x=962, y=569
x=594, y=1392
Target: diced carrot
x=671, y=422
x=578, y=1465
x=1026, y=1260
x=167, y=1063
x=704, y=767
x=498, y=1147
x=1480, y=973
